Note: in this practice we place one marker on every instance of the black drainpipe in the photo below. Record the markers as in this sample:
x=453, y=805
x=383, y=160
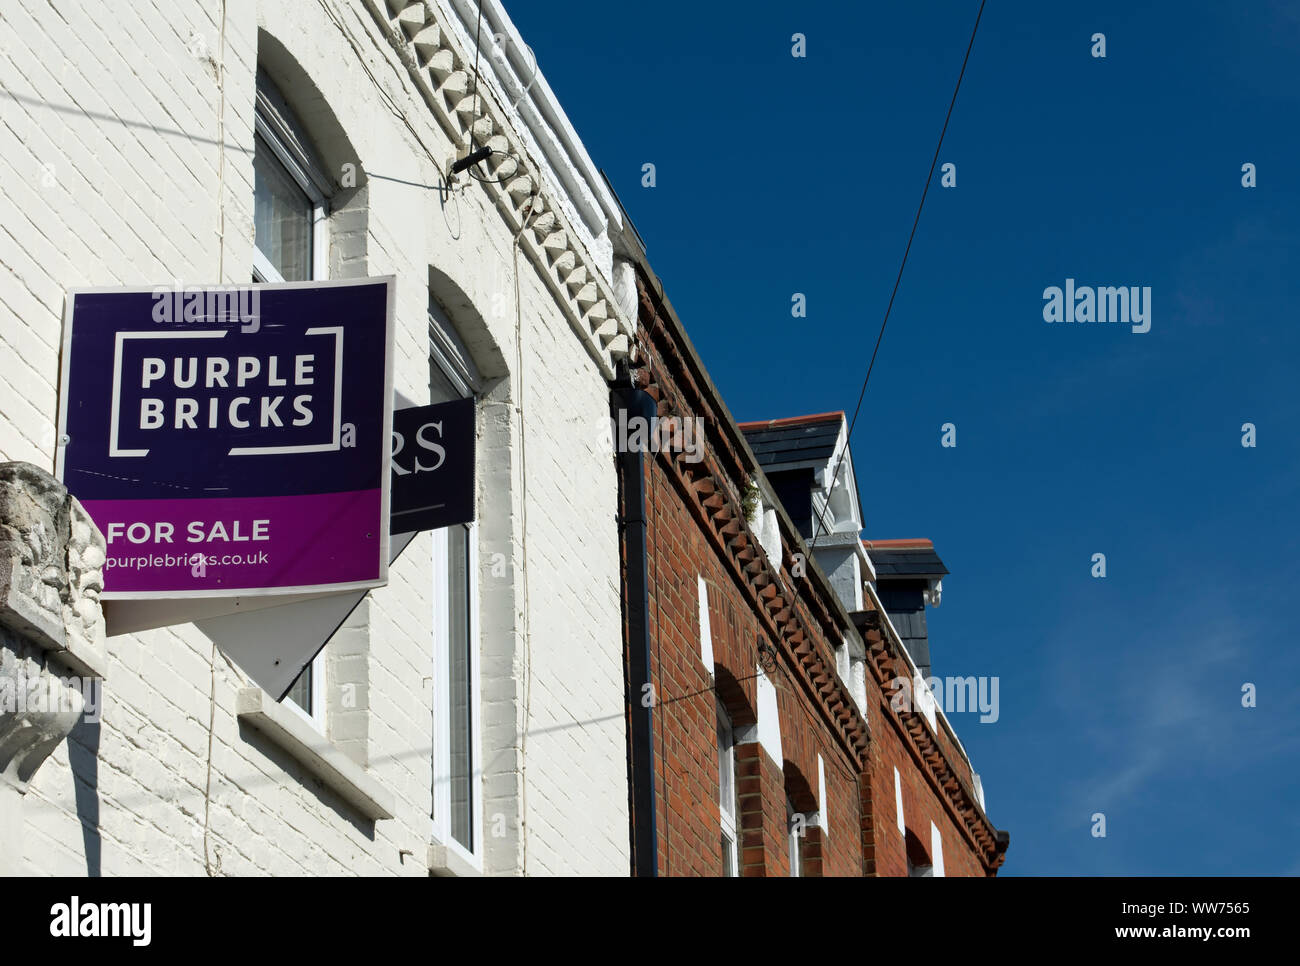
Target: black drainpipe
x=636, y=644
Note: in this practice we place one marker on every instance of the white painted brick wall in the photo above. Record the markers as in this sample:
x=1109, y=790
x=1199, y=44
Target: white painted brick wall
x=109, y=161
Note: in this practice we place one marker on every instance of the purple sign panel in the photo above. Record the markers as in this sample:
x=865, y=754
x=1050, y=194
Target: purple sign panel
x=232, y=441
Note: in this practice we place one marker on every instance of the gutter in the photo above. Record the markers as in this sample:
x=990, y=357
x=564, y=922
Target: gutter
x=633, y=527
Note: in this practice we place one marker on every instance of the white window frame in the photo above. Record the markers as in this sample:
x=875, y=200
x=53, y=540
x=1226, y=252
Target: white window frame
x=727, y=817
x=274, y=127
x=316, y=716
x=279, y=132
x=795, y=824
x=449, y=354
x=442, y=701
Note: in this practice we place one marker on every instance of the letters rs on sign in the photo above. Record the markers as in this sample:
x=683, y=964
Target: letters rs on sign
x=422, y=440
x=433, y=466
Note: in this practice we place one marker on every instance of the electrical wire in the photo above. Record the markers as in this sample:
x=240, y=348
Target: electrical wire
x=523, y=539
x=478, y=29
x=497, y=180
x=221, y=150
x=916, y=221
x=221, y=262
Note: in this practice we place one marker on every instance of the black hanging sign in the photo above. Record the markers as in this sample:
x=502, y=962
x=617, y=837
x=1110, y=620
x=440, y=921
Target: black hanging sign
x=433, y=466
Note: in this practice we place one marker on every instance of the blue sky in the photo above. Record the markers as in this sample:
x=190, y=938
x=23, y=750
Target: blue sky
x=778, y=175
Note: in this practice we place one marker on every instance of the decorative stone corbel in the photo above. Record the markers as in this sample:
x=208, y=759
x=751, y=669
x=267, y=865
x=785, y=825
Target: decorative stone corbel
x=52, y=651
x=37, y=710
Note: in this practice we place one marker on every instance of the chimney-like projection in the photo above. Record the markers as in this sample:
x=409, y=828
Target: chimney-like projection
x=909, y=575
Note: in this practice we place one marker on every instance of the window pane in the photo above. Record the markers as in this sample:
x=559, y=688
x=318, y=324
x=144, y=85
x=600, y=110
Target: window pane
x=462, y=758
x=300, y=691
x=795, y=823
x=442, y=388
x=282, y=216
x=726, y=766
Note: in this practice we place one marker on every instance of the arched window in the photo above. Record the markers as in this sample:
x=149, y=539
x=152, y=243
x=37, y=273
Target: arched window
x=290, y=244
x=457, y=795
x=919, y=865
x=290, y=195
x=795, y=824
x=801, y=822
x=727, y=793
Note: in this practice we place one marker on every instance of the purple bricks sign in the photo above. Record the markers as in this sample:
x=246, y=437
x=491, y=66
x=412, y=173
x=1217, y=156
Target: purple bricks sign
x=231, y=441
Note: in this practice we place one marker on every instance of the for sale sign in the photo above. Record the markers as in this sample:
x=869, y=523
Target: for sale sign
x=231, y=441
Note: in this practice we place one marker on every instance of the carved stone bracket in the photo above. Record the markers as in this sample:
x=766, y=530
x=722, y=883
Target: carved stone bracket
x=52, y=652
x=37, y=709
x=51, y=568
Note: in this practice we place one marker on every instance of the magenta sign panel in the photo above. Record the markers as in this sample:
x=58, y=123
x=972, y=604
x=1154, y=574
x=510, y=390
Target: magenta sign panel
x=231, y=441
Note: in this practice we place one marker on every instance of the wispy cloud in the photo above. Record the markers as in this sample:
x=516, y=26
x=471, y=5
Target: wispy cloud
x=1158, y=704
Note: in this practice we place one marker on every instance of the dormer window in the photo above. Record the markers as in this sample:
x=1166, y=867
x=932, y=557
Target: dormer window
x=809, y=466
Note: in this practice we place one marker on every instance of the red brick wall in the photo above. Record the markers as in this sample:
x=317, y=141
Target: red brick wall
x=784, y=621
x=763, y=846
x=685, y=720
x=922, y=804
x=686, y=760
